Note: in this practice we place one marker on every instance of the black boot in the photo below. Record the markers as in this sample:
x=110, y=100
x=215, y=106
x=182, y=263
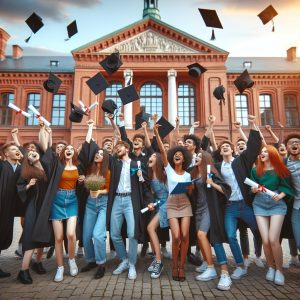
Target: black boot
x=100, y=272
x=4, y=274
x=24, y=277
x=38, y=268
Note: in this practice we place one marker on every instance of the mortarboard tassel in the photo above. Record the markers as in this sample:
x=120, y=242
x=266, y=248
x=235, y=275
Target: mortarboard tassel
x=129, y=82
x=273, y=28
x=27, y=40
x=66, y=39
x=212, y=35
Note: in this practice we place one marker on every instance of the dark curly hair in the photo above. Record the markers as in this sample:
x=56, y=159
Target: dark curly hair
x=187, y=156
x=195, y=139
x=291, y=136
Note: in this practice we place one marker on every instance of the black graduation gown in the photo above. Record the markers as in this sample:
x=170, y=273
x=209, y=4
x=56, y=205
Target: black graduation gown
x=216, y=203
x=141, y=196
x=33, y=197
x=8, y=199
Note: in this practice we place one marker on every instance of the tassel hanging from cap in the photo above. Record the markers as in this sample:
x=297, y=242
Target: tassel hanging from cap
x=273, y=26
x=66, y=39
x=27, y=40
x=212, y=35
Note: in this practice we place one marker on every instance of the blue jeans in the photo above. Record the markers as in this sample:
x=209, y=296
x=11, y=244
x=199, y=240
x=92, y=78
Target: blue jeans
x=122, y=207
x=94, y=229
x=296, y=226
x=238, y=210
x=220, y=253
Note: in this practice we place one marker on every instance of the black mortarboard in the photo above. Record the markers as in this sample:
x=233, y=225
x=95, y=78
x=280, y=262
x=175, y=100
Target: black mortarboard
x=111, y=63
x=267, y=15
x=52, y=84
x=210, y=19
x=109, y=106
x=72, y=29
x=165, y=127
x=97, y=83
x=35, y=23
x=219, y=93
x=128, y=94
x=196, y=70
x=76, y=114
x=140, y=118
x=243, y=82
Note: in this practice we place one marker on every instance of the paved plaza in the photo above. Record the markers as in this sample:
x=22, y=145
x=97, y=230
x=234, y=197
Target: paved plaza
x=84, y=286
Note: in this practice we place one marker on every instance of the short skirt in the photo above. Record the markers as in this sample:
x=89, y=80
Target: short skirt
x=202, y=219
x=65, y=205
x=264, y=205
x=179, y=206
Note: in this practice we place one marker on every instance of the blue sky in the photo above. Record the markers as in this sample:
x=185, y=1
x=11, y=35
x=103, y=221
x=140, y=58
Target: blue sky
x=243, y=33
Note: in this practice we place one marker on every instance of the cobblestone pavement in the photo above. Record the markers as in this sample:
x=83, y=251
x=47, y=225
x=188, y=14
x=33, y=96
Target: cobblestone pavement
x=84, y=286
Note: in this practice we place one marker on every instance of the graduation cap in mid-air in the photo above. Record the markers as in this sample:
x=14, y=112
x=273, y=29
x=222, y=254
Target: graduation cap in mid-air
x=35, y=23
x=72, y=29
x=243, y=82
x=211, y=19
x=267, y=15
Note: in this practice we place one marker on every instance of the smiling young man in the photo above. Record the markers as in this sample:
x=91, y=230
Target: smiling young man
x=9, y=173
x=234, y=172
x=292, y=143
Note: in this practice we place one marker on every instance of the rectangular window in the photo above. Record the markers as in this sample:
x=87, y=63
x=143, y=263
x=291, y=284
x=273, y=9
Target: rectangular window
x=291, y=110
x=5, y=111
x=58, y=110
x=35, y=100
x=186, y=104
x=266, y=111
x=241, y=109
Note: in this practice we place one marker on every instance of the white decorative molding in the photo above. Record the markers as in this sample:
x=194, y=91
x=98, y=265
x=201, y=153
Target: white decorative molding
x=149, y=41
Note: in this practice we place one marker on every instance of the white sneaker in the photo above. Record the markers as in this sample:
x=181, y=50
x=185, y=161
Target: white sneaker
x=225, y=282
x=202, y=268
x=59, y=276
x=73, y=267
x=258, y=261
x=279, y=278
x=239, y=273
x=247, y=262
x=165, y=253
x=208, y=274
x=270, y=274
x=123, y=266
x=132, y=272
x=294, y=261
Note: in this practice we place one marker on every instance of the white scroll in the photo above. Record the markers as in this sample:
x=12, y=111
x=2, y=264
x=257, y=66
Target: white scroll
x=38, y=115
x=258, y=186
x=147, y=208
x=208, y=168
x=85, y=108
x=19, y=110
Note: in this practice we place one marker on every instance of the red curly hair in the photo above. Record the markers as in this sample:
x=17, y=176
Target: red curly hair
x=276, y=161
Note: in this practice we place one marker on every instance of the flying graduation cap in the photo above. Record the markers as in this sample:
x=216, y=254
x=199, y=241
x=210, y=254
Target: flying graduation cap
x=267, y=15
x=211, y=19
x=35, y=23
x=72, y=29
x=52, y=84
x=111, y=63
x=219, y=94
x=244, y=81
x=196, y=70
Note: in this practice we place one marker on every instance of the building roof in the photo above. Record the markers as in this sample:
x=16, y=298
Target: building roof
x=66, y=64
x=262, y=65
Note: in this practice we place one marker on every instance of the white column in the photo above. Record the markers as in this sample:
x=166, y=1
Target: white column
x=128, y=107
x=172, y=96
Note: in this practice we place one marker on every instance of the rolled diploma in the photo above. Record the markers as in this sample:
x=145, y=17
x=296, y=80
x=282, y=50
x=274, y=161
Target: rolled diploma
x=93, y=105
x=208, y=168
x=256, y=185
x=83, y=107
x=146, y=208
x=19, y=110
x=38, y=115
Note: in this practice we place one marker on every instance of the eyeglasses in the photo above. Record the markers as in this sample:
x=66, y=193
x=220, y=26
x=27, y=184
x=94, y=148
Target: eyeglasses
x=297, y=142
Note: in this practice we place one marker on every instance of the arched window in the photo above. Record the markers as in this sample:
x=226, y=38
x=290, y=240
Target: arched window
x=186, y=104
x=241, y=109
x=151, y=98
x=5, y=111
x=58, y=110
x=266, y=111
x=291, y=110
x=112, y=93
x=35, y=100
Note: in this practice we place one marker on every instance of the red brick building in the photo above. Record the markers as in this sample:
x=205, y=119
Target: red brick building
x=155, y=56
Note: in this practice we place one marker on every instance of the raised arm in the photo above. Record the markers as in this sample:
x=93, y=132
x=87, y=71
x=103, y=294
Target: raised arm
x=89, y=133
x=175, y=136
x=48, y=132
x=238, y=126
x=147, y=140
x=43, y=137
x=160, y=145
x=15, y=136
x=113, y=124
x=272, y=134
x=195, y=125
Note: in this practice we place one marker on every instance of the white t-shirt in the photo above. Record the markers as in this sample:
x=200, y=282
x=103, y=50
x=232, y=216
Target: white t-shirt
x=173, y=178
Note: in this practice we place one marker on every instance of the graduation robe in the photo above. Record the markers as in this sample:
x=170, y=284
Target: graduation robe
x=8, y=200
